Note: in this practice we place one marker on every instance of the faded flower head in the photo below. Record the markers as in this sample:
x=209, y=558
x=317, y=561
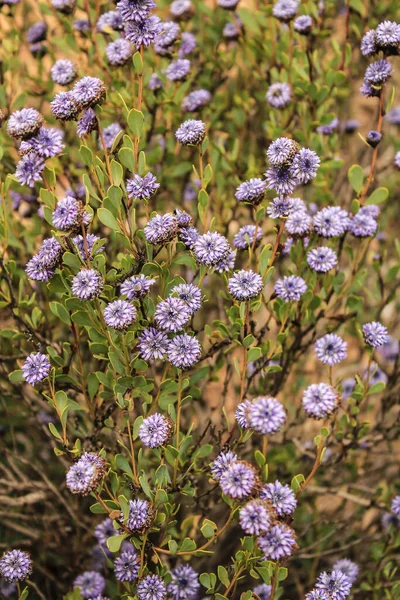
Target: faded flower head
x=88, y=91
x=65, y=107
x=196, y=100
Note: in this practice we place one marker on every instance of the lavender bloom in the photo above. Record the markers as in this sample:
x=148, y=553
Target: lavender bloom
x=196, y=100
x=36, y=368
x=330, y=349
x=231, y=31
x=65, y=107
x=190, y=294
x=298, y=223
x=363, y=225
x=63, y=72
x=191, y=132
x=45, y=143
x=390, y=349
x=255, y=517
x=390, y=520
x=90, y=584
x=155, y=82
x=348, y=568
x=153, y=344
x=245, y=285
x=169, y=34
x=188, y=45
x=335, y=584
x=119, y=314
x=189, y=236
x=263, y=591
x=368, y=43
x=279, y=95
x=350, y=126
x=156, y=430
x=239, y=480
x=135, y=10
x=388, y=35
x=373, y=138
x=348, y=386
x=252, y=191
x=316, y=595
x=285, y=10
x=303, y=24
x=64, y=6
x=87, y=123
x=322, y=259
x=36, y=270
x=279, y=207
x=142, y=187
x=375, y=334
x=226, y=263
x=393, y=116
x=119, y=52
x=85, y=475
x=183, y=218
x=141, y=515
x=50, y=252
x=82, y=25
x=109, y=134
x=126, y=566
x=90, y=242
x=137, y=287
x=378, y=72
x=397, y=160
x=375, y=374
x=281, y=179
x=305, y=165
x=181, y=9
x=221, y=463
x=282, y=151
x=266, y=415
x=142, y=33
x=210, y=248
x=278, y=543
x=242, y=414
x=395, y=506
x=87, y=284
x=172, y=314
x=281, y=496
x=109, y=20
x=36, y=33
x=369, y=91
x=88, y=91
x=24, y=123
x=8, y=589
x=185, y=583
x=290, y=288
x=103, y=531
x=151, y=587
x=246, y=236
x=67, y=214
x=329, y=128
x=161, y=229
x=320, y=400
x=228, y=4
x=15, y=565
x=331, y=221
x=178, y=69
x=29, y=169
x=184, y=351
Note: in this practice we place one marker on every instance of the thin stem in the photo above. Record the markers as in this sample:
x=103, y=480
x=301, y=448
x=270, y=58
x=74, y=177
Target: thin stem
x=103, y=143
x=347, y=30
x=313, y=470
x=381, y=114
x=276, y=245
x=135, y=475
x=75, y=333
x=274, y=582
x=178, y=425
x=244, y=364
x=265, y=446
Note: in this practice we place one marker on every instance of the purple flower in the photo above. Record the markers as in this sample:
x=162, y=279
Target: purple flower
x=85, y=475
x=36, y=270
x=374, y=138
x=178, y=69
x=395, y=506
x=388, y=34
x=210, y=248
x=15, y=565
x=376, y=375
x=87, y=123
x=228, y=4
x=290, y=288
x=191, y=132
x=350, y=126
x=189, y=236
x=141, y=514
x=363, y=225
x=88, y=91
x=45, y=143
x=266, y=415
x=184, y=351
x=24, y=123
x=90, y=242
x=281, y=179
x=245, y=237
x=330, y=349
x=222, y=462
x=279, y=95
x=82, y=25
x=161, y=229
x=142, y=33
x=135, y=10
x=64, y=6
x=397, y=160
x=109, y=134
x=369, y=91
x=263, y=591
x=239, y=480
x=156, y=430
x=242, y=414
x=285, y=10
x=282, y=151
x=320, y=400
x=281, y=496
x=348, y=568
x=255, y=517
x=232, y=31
x=335, y=584
x=279, y=207
x=368, y=43
x=393, y=116
x=185, y=583
x=278, y=543
x=65, y=107
x=172, y=314
x=50, y=252
x=151, y=587
x=348, y=387
x=316, y=595
x=322, y=259
x=303, y=24
x=305, y=165
x=137, y=287
x=109, y=20
x=63, y=72
x=390, y=349
x=155, y=82
x=142, y=187
x=181, y=9
x=8, y=589
x=378, y=72
x=87, y=284
x=331, y=221
x=183, y=218
x=298, y=223
x=36, y=33
x=190, y=294
x=375, y=334
x=67, y=214
x=90, y=584
x=29, y=169
x=226, y=263
x=120, y=314
x=170, y=33
x=245, y=285
x=252, y=191
x=104, y=530
x=153, y=344
x=119, y=52
x=126, y=566
x=196, y=100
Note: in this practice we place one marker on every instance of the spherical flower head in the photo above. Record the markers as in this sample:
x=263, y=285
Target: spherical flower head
x=170, y=32
x=36, y=368
x=375, y=334
x=45, y=143
x=282, y=179
x=141, y=515
x=183, y=218
x=390, y=349
x=63, y=72
x=188, y=45
x=37, y=271
x=245, y=285
x=330, y=349
x=228, y=4
x=189, y=236
x=378, y=72
x=282, y=151
x=290, y=288
x=88, y=91
x=232, y=31
x=156, y=430
x=109, y=134
x=348, y=567
x=119, y=52
x=64, y=107
x=151, y=587
x=335, y=583
x=375, y=375
x=137, y=287
x=252, y=191
x=181, y=9
x=87, y=284
x=120, y=314
x=298, y=223
x=142, y=33
x=29, y=169
x=178, y=69
x=368, y=43
x=285, y=10
x=279, y=207
x=388, y=35
x=15, y=565
x=161, y=229
x=155, y=82
x=395, y=507
x=142, y=188
x=373, y=138
x=320, y=400
x=81, y=25
x=322, y=259
x=135, y=10
x=126, y=566
x=303, y=25
x=242, y=414
x=192, y=132
x=247, y=236
x=64, y=6
x=172, y=314
x=227, y=263
x=281, y=497
x=305, y=165
x=331, y=221
x=90, y=584
x=393, y=116
x=210, y=248
x=68, y=214
x=24, y=123
x=266, y=415
x=185, y=583
x=85, y=475
x=8, y=590
x=255, y=517
x=363, y=225
x=81, y=246
x=110, y=20
x=278, y=543
x=239, y=481
x=263, y=591
x=316, y=595
x=153, y=344
x=279, y=95
x=50, y=252
x=190, y=294
x=36, y=33
x=221, y=463
x=184, y=351
x=103, y=531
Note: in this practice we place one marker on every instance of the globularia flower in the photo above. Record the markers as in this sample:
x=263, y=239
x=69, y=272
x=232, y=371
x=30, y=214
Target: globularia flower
x=240, y=480
x=242, y=414
x=183, y=218
x=331, y=221
x=397, y=160
x=393, y=116
x=290, y=288
x=335, y=584
x=109, y=134
x=278, y=543
x=172, y=314
x=67, y=214
x=87, y=284
x=348, y=567
x=368, y=43
x=328, y=128
x=189, y=236
x=141, y=514
x=36, y=270
x=255, y=517
x=378, y=72
x=153, y=344
x=263, y=591
x=63, y=72
x=135, y=10
x=142, y=187
x=369, y=91
x=191, y=132
x=137, y=287
x=266, y=415
x=320, y=400
x=303, y=24
x=395, y=506
x=305, y=165
x=90, y=584
x=245, y=237
x=281, y=496
x=226, y=263
x=29, y=169
x=316, y=595
x=178, y=69
x=350, y=126
x=119, y=52
x=298, y=223
x=231, y=31
x=15, y=565
x=376, y=375
x=170, y=33
x=181, y=9
x=221, y=463
x=282, y=151
x=24, y=123
x=155, y=82
x=156, y=430
x=81, y=25
x=36, y=368
x=279, y=95
x=110, y=20
x=322, y=259
x=90, y=242
x=103, y=531
x=210, y=248
x=279, y=207
x=47, y=142
x=245, y=285
x=188, y=44
x=390, y=349
x=65, y=107
x=120, y=314
x=126, y=566
x=363, y=225
x=50, y=252
x=184, y=351
x=161, y=229
x=85, y=475
x=185, y=583
x=196, y=100
x=88, y=91
x=281, y=179
x=252, y=191
x=151, y=587
x=228, y=4
x=373, y=138
x=388, y=35
x=285, y=10
x=190, y=294
x=36, y=33
x=64, y=6
x=143, y=33
x=330, y=349
x=375, y=334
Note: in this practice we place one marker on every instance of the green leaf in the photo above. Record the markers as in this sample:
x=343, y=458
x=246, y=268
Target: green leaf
x=16, y=376
x=187, y=545
x=297, y=481
x=138, y=63
x=117, y=172
x=108, y=219
x=223, y=575
x=123, y=464
x=115, y=541
x=208, y=528
x=173, y=546
x=81, y=317
x=254, y=354
x=87, y=155
x=377, y=388
x=61, y=312
x=135, y=121
x=53, y=431
x=378, y=196
x=356, y=177
x=127, y=158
